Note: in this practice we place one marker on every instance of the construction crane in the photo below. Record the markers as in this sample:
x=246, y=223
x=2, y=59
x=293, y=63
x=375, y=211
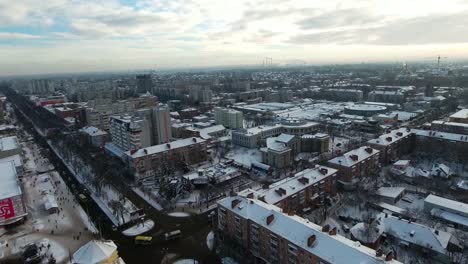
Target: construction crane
x=438, y=62
x=268, y=62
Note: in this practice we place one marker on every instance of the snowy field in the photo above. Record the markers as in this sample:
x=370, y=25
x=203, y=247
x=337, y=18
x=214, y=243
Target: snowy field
x=244, y=156
x=139, y=228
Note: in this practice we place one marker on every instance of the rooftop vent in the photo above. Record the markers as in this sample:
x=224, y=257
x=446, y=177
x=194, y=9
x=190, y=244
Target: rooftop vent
x=389, y=256
x=250, y=195
x=326, y=228
x=270, y=219
x=303, y=180
x=332, y=232
x=368, y=150
x=389, y=139
x=168, y=145
x=311, y=241
x=234, y=203
x=323, y=171
x=194, y=139
x=379, y=252
x=354, y=157
x=399, y=134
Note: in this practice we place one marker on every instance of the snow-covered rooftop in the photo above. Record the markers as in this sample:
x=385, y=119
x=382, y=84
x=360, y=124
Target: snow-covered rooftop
x=441, y=135
x=391, y=192
x=460, y=114
x=291, y=185
x=442, y=202
x=330, y=248
x=93, y=131
x=8, y=143
x=15, y=158
x=354, y=156
x=451, y=217
x=392, y=137
x=440, y=122
x=94, y=252
x=165, y=147
x=9, y=186
x=414, y=233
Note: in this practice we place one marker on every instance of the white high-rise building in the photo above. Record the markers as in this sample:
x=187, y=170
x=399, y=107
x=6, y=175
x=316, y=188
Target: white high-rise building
x=229, y=118
x=162, y=124
x=130, y=133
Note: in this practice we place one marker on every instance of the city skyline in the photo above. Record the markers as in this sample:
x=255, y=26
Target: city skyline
x=83, y=36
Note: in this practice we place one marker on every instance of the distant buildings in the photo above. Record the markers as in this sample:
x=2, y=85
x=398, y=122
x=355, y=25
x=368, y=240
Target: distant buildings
x=229, y=118
x=268, y=235
x=356, y=164
x=160, y=159
x=144, y=83
x=256, y=136
x=458, y=123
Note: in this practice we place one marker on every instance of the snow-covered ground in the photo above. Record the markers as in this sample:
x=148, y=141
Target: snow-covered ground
x=108, y=195
x=64, y=231
x=186, y=261
x=210, y=240
x=139, y=228
x=148, y=199
x=179, y=214
x=244, y=156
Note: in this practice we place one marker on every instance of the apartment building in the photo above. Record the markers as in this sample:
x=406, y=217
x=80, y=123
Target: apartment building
x=229, y=118
x=280, y=151
x=318, y=142
x=441, y=143
x=450, y=127
x=256, y=136
x=393, y=145
x=129, y=133
x=355, y=164
x=460, y=117
x=268, y=235
x=306, y=189
x=151, y=161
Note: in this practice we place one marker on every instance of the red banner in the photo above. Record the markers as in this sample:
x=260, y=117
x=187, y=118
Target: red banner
x=7, y=210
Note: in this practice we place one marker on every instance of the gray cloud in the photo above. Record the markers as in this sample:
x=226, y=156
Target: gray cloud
x=338, y=18
x=421, y=30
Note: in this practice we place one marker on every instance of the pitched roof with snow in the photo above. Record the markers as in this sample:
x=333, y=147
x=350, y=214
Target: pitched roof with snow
x=291, y=185
x=354, y=156
x=392, y=137
x=94, y=252
x=330, y=248
x=391, y=192
x=414, y=233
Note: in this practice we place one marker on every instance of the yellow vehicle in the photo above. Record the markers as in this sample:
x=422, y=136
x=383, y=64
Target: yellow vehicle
x=143, y=240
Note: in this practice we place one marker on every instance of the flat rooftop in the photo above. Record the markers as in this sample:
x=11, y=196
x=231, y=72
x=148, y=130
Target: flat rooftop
x=392, y=137
x=447, y=203
x=165, y=147
x=461, y=114
x=354, y=156
x=9, y=186
x=8, y=143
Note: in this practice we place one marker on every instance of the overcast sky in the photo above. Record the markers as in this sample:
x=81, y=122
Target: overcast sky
x=100, y=35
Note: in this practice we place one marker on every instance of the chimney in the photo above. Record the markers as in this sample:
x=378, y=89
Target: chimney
x=168, y=145
x=234, y=203
x=303, y=180
x=399, y=134
x=436, y=232
x=250, y=195
x=389, y=256
x=194, y=140
x=311, y=241
x=368, y=150
x=270, y=219
x=261, y=198
x=326, y=228
x=389, y=139
x=379, y=252
x=277, y=191
x=323, y=171
x=332, y=232
x=354, y=157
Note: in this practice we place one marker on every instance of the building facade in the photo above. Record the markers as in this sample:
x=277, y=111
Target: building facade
x=129, y=133
x=393, y=144
x=154, y=160
x=356, y=164
x=229, y=118
x=269, y=236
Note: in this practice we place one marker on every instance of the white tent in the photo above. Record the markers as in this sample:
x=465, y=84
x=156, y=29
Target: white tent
x=94, y=252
